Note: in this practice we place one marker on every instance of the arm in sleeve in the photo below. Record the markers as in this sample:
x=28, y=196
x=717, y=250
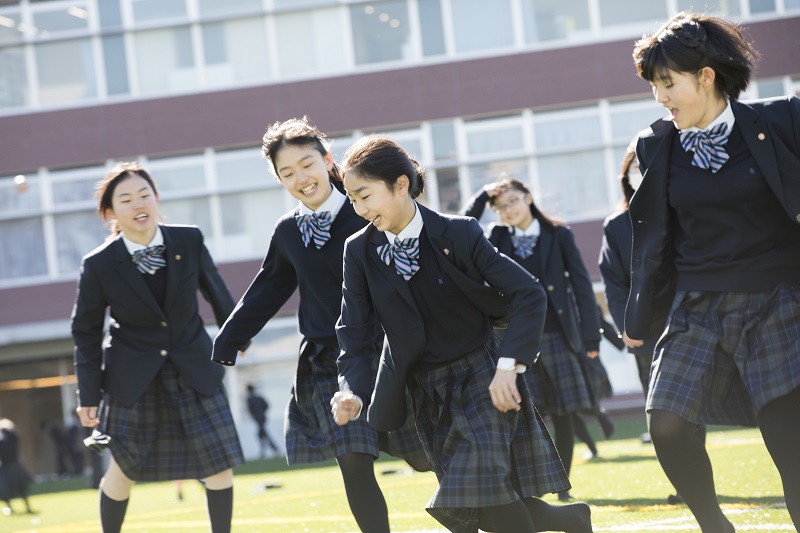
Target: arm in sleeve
x=269, y=290
x=616, y=276
x=88, y=318
x=523, y=292
x=476, y=205
x=355, y=330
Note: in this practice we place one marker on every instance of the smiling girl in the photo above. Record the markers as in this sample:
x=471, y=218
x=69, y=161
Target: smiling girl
x=305, y=252
x=163, y=403
x=434, y=282
x=716, y=250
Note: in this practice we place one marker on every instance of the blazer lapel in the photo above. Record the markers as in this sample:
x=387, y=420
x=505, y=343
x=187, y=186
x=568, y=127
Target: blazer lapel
x=756, y=137
x=128, y=271
x=398, y=282
x=176, y=259
x=545, y=246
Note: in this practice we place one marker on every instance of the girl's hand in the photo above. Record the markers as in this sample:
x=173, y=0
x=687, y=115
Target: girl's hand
x=630, y=343
x=492, y=189
x=345, y=406
x=504, y=392
x=88, y=416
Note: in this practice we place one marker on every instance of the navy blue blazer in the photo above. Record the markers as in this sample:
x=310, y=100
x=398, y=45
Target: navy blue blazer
x=771, y=130
x=373, y=288
x=615, y=264
x=287, y=265
x=569, y=287
x=141, y=334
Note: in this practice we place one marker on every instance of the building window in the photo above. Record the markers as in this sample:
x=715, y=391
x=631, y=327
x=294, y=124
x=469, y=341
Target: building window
x=193, y=211
x=573, y=186
x=116, y=65
x=762, y=6
x=319, y=52
x=618, y=12
x=481, y=174
x=235, y=52
x=431, y=27
x=380, y=31
x=26, y=237
x=449, y=189
x=178, y=175
x=243, y=168
x=568, y=128
x=19, y=195
x=482, y=25
x=724, y=7
x=247, y=222
x=164, y=60
x=13, y=77
x=494, y=136
x=227, y=8
x=152, y=10
x=76, y=235
x=75, y=186
x=10, y=27
x=548, y=20
x=61, y=18
x=629, y=118
x=65, y=71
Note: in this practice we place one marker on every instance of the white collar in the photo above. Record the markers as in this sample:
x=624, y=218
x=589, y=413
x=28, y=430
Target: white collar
x=333, y=203
x=157, y=240
x=533, y=230
x=413, y=229
x=726, y=116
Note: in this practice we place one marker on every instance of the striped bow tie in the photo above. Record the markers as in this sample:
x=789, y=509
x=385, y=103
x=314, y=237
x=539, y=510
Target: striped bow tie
x=524, y=245
x=708, y=146
x=148, y=260
x=405, y=254
x=316, y=227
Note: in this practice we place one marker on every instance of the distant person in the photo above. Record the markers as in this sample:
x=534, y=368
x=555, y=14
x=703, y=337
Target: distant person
x=164, y=413
x=73, y=444
x=258, y=406
x=14, y=478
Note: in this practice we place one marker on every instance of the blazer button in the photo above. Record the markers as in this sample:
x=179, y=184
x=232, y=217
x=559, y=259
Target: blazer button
x=761, y=136
x=797, y=217
x=551, y=288
x=163, y=353
x=163, y=324
x=560, y=311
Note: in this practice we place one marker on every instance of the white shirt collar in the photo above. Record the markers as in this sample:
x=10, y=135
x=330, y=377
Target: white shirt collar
x=413, y=229
x=726, y=116
x=333, y=203
x=157, y=240
x=533, y=230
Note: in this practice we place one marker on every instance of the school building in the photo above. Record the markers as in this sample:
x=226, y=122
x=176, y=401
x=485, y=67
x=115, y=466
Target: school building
x=540, y=90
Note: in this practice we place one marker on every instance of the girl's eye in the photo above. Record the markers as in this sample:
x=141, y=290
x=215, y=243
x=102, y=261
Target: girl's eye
x=309, y=166
x=365, y=197
x=287, y=175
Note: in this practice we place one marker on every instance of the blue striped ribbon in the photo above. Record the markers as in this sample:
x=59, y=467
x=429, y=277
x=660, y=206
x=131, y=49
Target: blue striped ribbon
x=708, y=146
x=315, y=227
x=524, y=245
x=148, y=260
x=405, y=254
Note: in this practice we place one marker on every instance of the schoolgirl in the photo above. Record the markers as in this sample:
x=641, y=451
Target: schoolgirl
x=305, y=252
x=163, y=403
x=424, y=276
x=716, y=250
x=547, y=249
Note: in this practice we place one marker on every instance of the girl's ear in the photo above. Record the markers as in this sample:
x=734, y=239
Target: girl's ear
x=329, y=161
x=706, y=76
x=401, y=185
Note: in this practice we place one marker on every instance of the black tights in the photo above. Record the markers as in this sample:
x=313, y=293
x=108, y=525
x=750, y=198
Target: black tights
x=685, y=460
x=564, y=428
x=363, y=493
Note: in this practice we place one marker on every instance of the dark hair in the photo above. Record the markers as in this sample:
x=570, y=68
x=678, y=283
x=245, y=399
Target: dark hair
x=377, y=158
x=506, y=184
x=297, y=132
x=688, y=42
x=624, y=177
x=105, y=188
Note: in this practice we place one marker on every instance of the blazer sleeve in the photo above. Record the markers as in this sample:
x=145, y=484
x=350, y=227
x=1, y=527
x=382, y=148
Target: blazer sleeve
x=88, y=318
x=582, y=286
x=476, y=205
x=269, y=290
x=213, y=287
x=615, y=274
x=355, y=329
x=525, y=295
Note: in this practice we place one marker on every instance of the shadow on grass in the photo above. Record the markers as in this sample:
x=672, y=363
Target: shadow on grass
x=758, y=501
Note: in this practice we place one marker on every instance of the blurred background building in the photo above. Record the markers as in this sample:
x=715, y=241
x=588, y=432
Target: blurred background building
x=540, y=90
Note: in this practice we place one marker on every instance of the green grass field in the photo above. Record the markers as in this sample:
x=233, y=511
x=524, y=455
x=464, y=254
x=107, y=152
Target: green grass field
x=625, y=487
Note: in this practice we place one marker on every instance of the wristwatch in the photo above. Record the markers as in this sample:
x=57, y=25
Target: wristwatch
x=507, y=364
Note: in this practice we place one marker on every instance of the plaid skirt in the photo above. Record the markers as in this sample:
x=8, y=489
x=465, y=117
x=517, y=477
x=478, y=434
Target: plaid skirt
x=597, y=378
x=311, y=433
x=725, y=355
x=172, y=431
x=481, y=457
x=556, y=381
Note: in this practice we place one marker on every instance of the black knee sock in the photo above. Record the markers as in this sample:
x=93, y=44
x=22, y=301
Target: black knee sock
x=509, y=518
x=220, y=509
x=363, y=493
x=782, y=438
x=112, y=513
x=572, y=518
x=565, y=439
x=685, y=461
x=583, y=433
